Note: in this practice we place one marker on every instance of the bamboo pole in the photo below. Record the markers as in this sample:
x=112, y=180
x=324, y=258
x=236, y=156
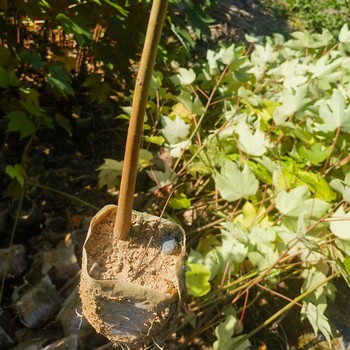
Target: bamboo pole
x=135, y=131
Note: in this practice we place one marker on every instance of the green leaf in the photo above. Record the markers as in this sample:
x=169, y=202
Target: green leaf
x=292, y=102
x=340, y=224
x=316, y=154
x=186, y=76
x=232, y=249
x=16, y=172
x=317, y=319
x=197, y=280
x=30, y=102
x=180, y=201
x=335, y=113
x=224, y=333
x=145, y=158
x=254, y=144
x=317, y=184
x=110, y=172
x=72, y=27
x=8, y=78
x=59, y=79
x=19, y=121
x=33, y=59
x=64, y=123
x=174, y=130
x=233, y=184
x=341, y=187
x=297, y=202
x=101, y=92
x=157, y=140
x=344, y=34
x=162, y=178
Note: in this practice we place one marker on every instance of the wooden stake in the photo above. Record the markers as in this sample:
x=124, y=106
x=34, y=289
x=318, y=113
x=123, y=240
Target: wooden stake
x=135, y=131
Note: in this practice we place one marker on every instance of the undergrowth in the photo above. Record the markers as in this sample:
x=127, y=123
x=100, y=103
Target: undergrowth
x=259, y=138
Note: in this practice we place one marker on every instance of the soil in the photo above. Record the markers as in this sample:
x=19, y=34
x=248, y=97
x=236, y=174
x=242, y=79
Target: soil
x=138, y=259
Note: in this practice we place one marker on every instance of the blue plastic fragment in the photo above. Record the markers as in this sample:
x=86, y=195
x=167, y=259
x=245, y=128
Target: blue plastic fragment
x=169, y=245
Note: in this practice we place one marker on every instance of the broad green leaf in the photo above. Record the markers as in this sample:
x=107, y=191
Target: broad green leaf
x=335, y=113
x=92, y=80
x=110, y=172
x=316, y=154
x=292, y=102
x=264, y=54
x=33, y=59
x=71, y=26
x=341, y=187
x=197, y=280
x=224, y=333
x=59, y=79
x=312, y=278
x=30, y=102
x=232, y=249
x=162, y=178
x=157, y=140
x=180, y=201
x=317, y=185
x=100, y=93
x=64, y=123
x=145, y=158
x=8, y=78
x=300, y=40
x=193, y=105
x=19, y=121
x=325, y=67
x=297, y=202
x=254, y=144
x=344, y=34
x=234, y=184
x=174, y=130
x=16, y=172
x=263, y=260
x=186, y=76
x=346, y=263
x=177, y=149
x=317, y=319
x=340, y=224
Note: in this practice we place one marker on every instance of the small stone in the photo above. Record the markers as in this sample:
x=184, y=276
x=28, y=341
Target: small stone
x=169, y=246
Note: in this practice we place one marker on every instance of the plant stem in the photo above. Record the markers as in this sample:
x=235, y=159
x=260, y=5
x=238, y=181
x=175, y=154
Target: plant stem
x=135, y=131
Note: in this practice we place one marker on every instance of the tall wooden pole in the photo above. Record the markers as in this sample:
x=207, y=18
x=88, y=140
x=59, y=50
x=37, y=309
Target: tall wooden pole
x=135, y=131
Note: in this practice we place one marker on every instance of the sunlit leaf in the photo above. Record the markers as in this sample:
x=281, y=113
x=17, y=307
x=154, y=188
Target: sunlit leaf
x=317, y=319
x=174, y=130
x=234, y=184
x=157, y=140
x=145, y=158
x=298, y=201
x=197, y=280
x=186, y=76
x=180, y=201
x=110, y=172
x=253, y=143
x=335, y=113
x=340, y=224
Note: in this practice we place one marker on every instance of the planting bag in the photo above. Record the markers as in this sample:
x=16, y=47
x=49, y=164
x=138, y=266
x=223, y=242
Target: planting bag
x=131, y=290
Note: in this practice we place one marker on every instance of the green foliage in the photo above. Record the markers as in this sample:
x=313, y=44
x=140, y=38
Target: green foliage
x=313, y=14
x=268, y=134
